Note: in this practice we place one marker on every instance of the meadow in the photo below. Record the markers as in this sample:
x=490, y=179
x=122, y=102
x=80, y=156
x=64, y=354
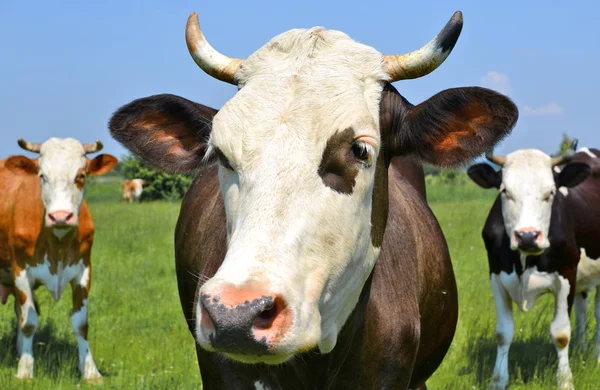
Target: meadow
x=139, y=338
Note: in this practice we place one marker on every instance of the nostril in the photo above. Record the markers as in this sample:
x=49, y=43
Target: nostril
x=535, y=234
x=269, y=314
x=52, y=218
x=69, y=217
x=265, y=318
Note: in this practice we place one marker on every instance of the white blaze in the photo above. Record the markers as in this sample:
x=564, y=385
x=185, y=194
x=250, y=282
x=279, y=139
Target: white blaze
x=59, y=163
x=286, y=229
x=528, y=190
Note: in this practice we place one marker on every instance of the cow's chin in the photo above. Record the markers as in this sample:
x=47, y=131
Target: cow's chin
x=259, y=359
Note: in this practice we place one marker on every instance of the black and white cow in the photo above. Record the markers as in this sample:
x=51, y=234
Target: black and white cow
x=542, y=235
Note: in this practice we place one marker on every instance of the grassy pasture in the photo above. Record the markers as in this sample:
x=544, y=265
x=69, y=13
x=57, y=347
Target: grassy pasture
x=140, y=341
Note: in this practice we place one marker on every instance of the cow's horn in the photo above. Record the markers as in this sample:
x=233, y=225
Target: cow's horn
x=211, y=61
x=93, y=147
x=496, y=159
x=30, y=146
x=425, y=60
x=568, y=156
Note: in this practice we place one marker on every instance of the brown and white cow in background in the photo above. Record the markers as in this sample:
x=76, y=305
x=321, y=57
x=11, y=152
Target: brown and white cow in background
x=132, y=190
x=46, y=235
x=280, y=247
x=542, y=235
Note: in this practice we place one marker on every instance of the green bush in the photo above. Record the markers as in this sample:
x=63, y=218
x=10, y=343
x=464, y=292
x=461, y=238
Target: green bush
x=159, y=185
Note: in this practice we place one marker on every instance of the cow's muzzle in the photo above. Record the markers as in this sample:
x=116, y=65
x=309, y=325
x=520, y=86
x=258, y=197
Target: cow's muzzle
x=244, y=321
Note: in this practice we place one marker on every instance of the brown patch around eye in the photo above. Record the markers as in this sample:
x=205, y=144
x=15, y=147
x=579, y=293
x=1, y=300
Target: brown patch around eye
x=338, y=168
x=80, y=178
x=222, y=159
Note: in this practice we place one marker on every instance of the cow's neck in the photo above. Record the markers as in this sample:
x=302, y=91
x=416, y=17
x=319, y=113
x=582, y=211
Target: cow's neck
x=59, y=246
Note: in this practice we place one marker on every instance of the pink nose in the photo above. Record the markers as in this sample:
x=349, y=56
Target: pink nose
x=244, y=320
x=60, y=217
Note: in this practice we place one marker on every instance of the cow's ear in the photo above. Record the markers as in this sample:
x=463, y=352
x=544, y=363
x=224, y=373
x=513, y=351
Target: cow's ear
x=168, y=131
x=22, y=164
x=485, y=176
x=101, y=164
x=573, y=174
x=450, y=128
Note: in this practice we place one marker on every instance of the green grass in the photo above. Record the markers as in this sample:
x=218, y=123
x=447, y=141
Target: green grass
x=139, y=338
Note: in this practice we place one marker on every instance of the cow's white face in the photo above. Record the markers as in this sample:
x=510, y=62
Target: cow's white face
x=62, y=172
x=527, y=192
x=297, y=197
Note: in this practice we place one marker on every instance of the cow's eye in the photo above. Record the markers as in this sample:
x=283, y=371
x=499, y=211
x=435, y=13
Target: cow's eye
x=80, y=178
x=360, y=151
x=363, y=152
x=548, y=195
x=222, y=159
x=42, y=178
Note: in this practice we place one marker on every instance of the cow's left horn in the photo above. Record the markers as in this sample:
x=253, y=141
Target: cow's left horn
x=567, y=157
x=496, y=159
x=93, y=147
x=211, y=61
x=29, y=146
x=425, y=60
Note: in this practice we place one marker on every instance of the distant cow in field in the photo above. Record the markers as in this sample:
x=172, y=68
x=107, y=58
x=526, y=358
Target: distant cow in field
x=46, y=235
x=132, y=190
x=543, y=235
x=307, y=256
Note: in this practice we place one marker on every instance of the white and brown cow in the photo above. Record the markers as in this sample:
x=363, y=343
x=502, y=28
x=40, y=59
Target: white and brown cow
x=542, y=235
x=132, y=190
x=318, y=156
x=46, y=235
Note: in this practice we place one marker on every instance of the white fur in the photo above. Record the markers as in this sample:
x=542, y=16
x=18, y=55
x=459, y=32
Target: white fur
x=507, y=288
x=588, y=279
x=286, y=229
x=258, y=385
x=87, y=366
x=55, y=283
x=527, y=180
x=60, y=160
x=27, y=318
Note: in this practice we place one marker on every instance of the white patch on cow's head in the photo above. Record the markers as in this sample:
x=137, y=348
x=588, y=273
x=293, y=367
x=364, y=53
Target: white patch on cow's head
x=62, y=168
x=287, y=230
x=527, y=193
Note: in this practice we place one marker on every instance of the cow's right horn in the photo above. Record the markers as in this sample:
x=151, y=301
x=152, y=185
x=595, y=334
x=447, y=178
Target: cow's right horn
x=29, y=146
x=425, y=60
x=211, y=61
x=496, y=159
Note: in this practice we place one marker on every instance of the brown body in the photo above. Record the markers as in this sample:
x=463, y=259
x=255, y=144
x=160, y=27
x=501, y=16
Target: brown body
x=402, y=326
x=24, y=241
x=46, y=236
x=132, y=190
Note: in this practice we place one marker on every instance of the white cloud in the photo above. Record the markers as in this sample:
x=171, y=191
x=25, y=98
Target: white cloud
x=497, y=81
x=550, y=109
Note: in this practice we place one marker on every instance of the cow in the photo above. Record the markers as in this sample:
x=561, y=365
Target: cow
x=132, y=190
x=46, y=236
x=541, y=235
x=306, y=254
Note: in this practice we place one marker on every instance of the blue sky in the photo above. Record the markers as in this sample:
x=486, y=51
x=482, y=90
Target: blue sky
x=65, y=66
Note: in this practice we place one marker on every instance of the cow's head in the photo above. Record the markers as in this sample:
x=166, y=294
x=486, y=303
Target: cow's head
x=62, y=168
x=303, y=148
x=528, y=184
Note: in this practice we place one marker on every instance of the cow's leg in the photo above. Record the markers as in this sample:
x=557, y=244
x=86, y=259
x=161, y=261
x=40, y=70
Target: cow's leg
x=27, y=324
x=580, y=306
x=505, y=329
x=597, y=315
x=560, y=329
x=80, y=287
